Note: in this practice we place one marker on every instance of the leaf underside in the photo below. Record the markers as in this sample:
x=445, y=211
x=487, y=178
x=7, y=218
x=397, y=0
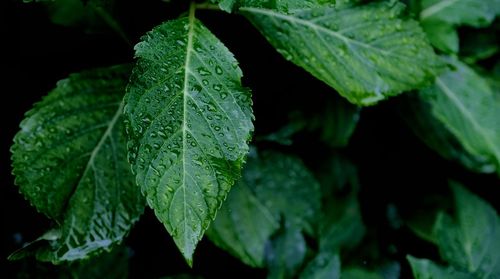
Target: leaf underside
x=189, y=121
x=364, y=52
x=69, y=160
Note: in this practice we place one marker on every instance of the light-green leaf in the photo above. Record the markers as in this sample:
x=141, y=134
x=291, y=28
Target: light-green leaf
x=189, y=121
x=427, y=269
x=273, y=185
x=477, y=13
x=70, y=162
x=365, y=52
x=465, y=104
x=472, y=241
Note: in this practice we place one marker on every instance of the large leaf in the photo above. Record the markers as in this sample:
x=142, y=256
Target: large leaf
x=366, y=58
x=457, y=12
x=472, y=241
x=426, y=269
x=189, y=121
x=467, y=107
x=69, y=160
x=273, y=185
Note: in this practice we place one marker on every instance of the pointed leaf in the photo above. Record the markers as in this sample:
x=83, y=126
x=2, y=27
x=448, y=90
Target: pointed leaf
x=366, y=58
x=464, y=102
x=273, y=185
x=189, y=121
x=69, y=160
x=457, y=12
x=473, y=241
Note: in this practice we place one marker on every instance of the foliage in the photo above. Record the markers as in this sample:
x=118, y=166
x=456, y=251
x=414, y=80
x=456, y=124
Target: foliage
x=173, y=131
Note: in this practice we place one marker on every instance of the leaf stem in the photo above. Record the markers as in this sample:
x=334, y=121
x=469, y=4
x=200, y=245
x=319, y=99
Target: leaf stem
x=111, y=22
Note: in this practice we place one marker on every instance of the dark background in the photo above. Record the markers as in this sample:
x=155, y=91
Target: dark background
x=394, y=167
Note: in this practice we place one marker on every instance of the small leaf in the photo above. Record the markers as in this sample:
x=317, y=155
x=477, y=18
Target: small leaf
x=323, y=266
x=465, y=104
x=69, y=160
x=366, y=58
x=243, y=226
x=273, y=185
x=286, y=253
x=426, y=269
x=189, y=121
x=472, y=241
x=342, y=225
x=461, y=12
x=442, y=35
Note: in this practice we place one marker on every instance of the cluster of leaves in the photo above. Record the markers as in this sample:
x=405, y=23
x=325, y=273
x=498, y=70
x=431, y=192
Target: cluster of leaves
x=172, y=132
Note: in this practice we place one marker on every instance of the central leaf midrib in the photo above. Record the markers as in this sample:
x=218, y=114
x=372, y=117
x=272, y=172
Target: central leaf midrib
x=189, y=49
x=94, y=153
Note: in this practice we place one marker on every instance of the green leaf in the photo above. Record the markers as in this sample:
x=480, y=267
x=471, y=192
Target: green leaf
x=286, y=253
x=472, y=241
x=69, y=159
x=442, y=35
x=419, y=117
x=426, y=269
x=273, y=185
x=189, y=121
x=465, y=104
x=323, y=266
x=341, y=226
x=243, y=225
x=461, y=12
x=365, y=58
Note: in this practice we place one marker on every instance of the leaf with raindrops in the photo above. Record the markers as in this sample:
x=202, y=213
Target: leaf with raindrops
x=367, y=53
x=189, y=121
x=69, y=159
x=274, y=185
